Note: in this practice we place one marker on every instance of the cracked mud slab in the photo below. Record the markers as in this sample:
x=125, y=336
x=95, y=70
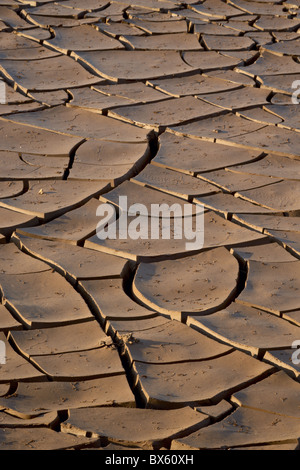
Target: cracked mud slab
x=128, y=344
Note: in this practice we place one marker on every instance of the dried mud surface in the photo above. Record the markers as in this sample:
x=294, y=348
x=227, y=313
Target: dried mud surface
x=145, y=344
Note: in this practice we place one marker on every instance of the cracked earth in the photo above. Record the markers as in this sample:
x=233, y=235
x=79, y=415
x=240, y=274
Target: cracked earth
x=142, y=344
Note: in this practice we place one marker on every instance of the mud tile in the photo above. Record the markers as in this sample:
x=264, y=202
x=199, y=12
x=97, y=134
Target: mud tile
x=43, y=439
x=159, y=27
x=272, y=286
x=29, y=53
x=153, y=5
x=5, y=389
x=173, y=182
x=290, y=48
x=240, y=24
x=143, y=195
x=153, y=15
x=289, y=113
x=213, y=30
x=192, y=85
x=260, y=38
x=278, y=394
x=92, y=100
x=11, y=96
x=4, y=27
x=72, y=227
x=58, y=21
x=272, y=165
x=229, y=180
x=127, y=64
x=260, y=8
x=163, y=42
x=147, y=428
x=285, y=35
x=57, y=341
x=172, y=343
x=111, y=302
x=14, y=261
x=135, y=93
x=73, y=261
x=90, y=5
x=50, y=98
x=282, y=196
x=283, y=358
x=35, y=141
x=226, y=128
x=293, y=317
x=242, y=428
x=11, y=220
x=231, y=76
x=245, y=56
x=270, y=139
x=81, y=38
x=262, y=222
x=259, y=115
x=121, y=330
x=238, y=99
x=197, y=383
x=119, y=29
x=13, y=166
x=35, y=34
x=279, y=83
x=143, y=249
x=209, y=60
x=84, y=365
x=7, y=321
x=55, y=301
x=213, y=156
x=48, y=420
x=275, y=24
x=94, y=152
x=111, y=176
x=227, y=43
x=165, y=113
x=47, y=74
x=267, y=253
x=270, y=64
x=10, y=188
x=16, y=367
x=280, y=98
x=11, y=18
x=48, y=199
x=78, y=122
x=290, y=240
x=36, y=398
x=6, y=109
x=247, y=328
x=46, y=161
x=216, y=412
x=216, y=10
x=55, y=10
x=172, y=287
x=227, y=204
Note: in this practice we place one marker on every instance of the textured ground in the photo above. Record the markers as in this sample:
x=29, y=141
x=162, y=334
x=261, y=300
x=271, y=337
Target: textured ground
x=142, y=344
